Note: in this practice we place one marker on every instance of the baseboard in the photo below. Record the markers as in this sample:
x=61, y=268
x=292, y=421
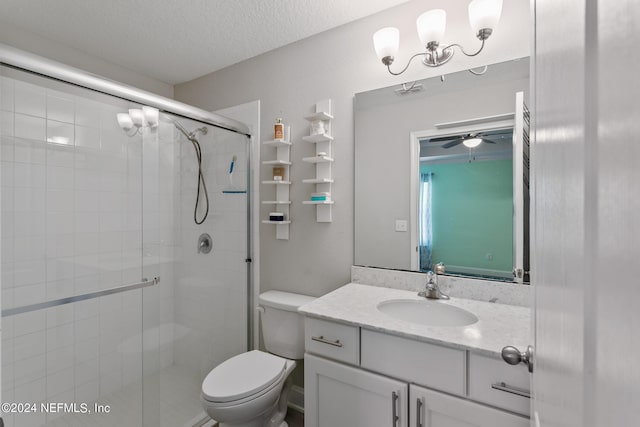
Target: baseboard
x=296, y=398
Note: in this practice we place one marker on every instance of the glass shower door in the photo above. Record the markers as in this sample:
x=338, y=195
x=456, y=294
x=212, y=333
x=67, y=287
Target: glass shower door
x=71, y=256
x=112, y=312
x=197, y=318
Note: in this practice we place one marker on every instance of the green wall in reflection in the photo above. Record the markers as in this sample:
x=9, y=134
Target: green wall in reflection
x=473, y=215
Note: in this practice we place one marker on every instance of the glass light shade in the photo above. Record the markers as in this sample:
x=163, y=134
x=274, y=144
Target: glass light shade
x=386, y=42
x=151, y=116
x=484, y=14
x=431, y=26
x=136, y=117
x=472, y=142
x=124, y=121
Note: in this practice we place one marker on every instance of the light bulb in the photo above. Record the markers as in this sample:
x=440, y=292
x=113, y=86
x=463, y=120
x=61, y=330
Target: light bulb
x=484, y=14
x=136, y=117
x=386, y=42
x=151, y=116
x=431, y=26
x=472, y=142
x=124, y=121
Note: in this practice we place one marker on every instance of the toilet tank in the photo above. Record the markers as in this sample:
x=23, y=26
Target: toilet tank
x=282, y=326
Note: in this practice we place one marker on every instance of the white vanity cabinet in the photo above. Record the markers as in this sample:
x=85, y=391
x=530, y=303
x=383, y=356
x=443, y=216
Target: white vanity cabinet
x=358, y=377
x=339, y=395
x=429, y=408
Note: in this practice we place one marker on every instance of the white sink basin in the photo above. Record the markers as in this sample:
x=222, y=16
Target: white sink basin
x=428, y=313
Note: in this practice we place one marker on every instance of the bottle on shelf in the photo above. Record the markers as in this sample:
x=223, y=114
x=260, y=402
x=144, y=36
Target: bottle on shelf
x=278, y=130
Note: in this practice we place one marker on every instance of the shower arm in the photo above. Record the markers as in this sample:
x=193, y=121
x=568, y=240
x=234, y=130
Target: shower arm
x=191, y=136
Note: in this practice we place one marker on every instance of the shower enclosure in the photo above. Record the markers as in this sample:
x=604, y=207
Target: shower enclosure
x=113, y=311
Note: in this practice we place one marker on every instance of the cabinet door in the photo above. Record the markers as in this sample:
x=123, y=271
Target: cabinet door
x=336, y=395
x=429, y=408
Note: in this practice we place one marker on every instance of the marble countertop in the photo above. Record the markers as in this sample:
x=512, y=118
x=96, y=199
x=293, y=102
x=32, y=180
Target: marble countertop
x=498, y=325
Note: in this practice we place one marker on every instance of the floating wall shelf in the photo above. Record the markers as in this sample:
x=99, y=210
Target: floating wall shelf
x=318, y=181
x=323, y=137
x=319, y=202
x=277, y=143
x=276, y=162
x=317, y=159
x=322, y=115
x=282, y=201
x=323, y=161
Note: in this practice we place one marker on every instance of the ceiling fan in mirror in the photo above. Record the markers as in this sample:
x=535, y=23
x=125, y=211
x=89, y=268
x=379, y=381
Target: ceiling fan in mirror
x=473, y=139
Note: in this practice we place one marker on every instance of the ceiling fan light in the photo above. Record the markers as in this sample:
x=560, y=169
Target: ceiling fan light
x=484, y=14
x=472, y=142
x=431, y=26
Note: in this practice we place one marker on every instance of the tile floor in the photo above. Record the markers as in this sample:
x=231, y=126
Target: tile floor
x=179, y=392
x=179, y=404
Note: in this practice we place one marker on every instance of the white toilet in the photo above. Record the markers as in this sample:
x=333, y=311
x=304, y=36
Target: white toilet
x=251, y=389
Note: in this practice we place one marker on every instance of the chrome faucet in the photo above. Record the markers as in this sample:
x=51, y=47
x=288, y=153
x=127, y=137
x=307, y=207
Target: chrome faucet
x=431, y=290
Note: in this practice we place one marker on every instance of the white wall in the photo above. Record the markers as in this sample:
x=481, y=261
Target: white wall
x=336, y=64
x=30, y=42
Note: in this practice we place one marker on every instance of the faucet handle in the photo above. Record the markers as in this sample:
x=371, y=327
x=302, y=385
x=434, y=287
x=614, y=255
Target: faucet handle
x=430, y=276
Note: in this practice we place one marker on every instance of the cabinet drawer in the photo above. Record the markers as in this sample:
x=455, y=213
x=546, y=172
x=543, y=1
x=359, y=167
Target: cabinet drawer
x=430, y=365
x=333, y=340
x=486, y=371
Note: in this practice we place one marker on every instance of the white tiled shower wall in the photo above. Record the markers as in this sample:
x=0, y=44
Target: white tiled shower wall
x=211, y=289
x=71, y=224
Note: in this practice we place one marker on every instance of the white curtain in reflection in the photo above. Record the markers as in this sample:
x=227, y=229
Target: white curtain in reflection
x=425, y=245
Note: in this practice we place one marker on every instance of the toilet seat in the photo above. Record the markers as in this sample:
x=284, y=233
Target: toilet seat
x=244, y=375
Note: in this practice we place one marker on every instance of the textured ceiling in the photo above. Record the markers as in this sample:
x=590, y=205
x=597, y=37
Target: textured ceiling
x=178, y=40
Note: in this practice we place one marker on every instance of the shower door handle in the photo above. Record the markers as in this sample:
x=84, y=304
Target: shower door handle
x=82, y=297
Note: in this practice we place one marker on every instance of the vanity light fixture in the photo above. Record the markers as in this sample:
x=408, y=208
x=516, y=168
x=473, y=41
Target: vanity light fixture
x=483, y=17
x=136, y=118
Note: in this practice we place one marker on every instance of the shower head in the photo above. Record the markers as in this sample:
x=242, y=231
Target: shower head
x=191, y=136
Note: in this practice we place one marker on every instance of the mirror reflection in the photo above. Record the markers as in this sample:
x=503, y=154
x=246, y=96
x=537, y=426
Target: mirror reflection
x=465, y=203
x=442, y=174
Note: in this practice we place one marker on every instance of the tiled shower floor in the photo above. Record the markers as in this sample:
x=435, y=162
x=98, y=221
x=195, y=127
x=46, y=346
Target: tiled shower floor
x=179, y=404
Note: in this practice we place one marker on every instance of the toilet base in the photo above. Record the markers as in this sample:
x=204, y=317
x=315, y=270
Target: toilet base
x=271, y=417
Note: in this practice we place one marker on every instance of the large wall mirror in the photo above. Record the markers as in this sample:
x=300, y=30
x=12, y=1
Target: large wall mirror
x=441, y=174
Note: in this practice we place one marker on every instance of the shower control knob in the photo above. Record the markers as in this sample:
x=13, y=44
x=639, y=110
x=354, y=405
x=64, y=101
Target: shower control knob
x=205, y=243
x=513, y=356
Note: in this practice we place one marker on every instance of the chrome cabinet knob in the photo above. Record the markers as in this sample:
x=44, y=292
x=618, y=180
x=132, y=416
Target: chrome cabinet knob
x=513, y=356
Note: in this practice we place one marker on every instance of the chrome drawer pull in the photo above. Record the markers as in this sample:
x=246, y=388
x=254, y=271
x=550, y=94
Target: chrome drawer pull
x=419, y=413
x=394, y=409
x=323, y=340
x=510, y=389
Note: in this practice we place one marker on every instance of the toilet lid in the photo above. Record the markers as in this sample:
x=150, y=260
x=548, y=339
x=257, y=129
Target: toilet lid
x=242, y=375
